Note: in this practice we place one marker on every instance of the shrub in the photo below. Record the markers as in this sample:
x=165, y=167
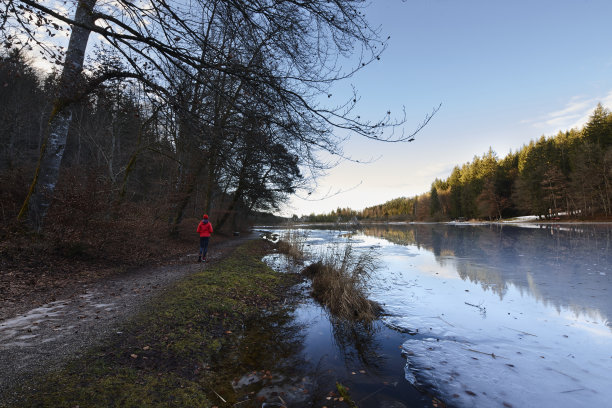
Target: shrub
x=339, y=283
x=292, y=243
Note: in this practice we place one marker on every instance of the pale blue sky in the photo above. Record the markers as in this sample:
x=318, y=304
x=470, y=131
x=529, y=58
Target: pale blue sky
x=505, y=72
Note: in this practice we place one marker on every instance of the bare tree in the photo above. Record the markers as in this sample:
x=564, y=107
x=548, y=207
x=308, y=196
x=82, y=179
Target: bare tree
x=52, y=150
x=297, y=45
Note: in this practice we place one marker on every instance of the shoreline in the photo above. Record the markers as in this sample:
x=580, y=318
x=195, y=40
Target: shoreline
x=232, y=332
x=356, y=225
x=59, y=342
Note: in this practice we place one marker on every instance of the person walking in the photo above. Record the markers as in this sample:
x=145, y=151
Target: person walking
x=205, y=229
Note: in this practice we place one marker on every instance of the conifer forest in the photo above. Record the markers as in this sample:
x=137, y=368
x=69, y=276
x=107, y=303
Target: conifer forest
x=565, y=175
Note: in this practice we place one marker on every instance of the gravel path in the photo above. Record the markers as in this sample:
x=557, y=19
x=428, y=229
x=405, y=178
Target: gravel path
x=42, y=339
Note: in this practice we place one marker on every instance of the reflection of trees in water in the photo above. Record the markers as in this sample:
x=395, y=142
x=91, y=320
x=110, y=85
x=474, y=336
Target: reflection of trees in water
x=272, y=345
x=397, y=235
x=357, y=341
x=489, y=279
x=271, y=340
x=548, y=262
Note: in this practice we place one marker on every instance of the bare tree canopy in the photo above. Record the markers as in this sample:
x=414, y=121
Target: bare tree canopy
x=225, y=67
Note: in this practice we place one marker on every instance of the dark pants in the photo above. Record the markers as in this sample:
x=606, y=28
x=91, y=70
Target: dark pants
x=204, y=246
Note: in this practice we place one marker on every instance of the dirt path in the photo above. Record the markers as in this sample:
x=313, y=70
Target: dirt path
x=43, y=338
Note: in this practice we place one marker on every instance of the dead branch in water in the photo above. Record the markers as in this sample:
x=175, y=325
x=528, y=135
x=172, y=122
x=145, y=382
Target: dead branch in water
x=482, y=309
x=441, y=318
x=486, y=354
x=520, y=331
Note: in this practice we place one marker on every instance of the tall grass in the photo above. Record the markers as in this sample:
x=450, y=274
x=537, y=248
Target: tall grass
x=292, y=243
x=338, y=278
x=339, y=283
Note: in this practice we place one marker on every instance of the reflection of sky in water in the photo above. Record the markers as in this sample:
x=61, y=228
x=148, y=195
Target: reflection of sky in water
x=503, y=315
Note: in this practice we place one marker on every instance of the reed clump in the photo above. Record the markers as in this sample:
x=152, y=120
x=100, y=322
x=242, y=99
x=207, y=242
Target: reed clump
x=339, y=283
x=292, y=243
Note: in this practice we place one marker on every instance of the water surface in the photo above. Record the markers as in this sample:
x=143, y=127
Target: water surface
x=496, y=315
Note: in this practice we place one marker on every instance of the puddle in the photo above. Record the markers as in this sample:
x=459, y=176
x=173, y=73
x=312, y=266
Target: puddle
x=295, y=358
x=323, y=352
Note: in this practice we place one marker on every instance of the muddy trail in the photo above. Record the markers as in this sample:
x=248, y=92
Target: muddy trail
x=42, y=339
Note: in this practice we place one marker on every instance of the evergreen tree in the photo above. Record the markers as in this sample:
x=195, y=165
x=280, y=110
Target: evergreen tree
x=434, y=206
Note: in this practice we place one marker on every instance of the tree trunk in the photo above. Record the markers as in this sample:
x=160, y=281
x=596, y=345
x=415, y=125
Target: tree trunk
x=46, y=176
x=179, y=211
x=210, y=180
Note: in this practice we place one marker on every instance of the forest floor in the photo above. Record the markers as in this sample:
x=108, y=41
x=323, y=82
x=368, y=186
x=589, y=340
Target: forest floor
x=130, y=326
x=37, y=270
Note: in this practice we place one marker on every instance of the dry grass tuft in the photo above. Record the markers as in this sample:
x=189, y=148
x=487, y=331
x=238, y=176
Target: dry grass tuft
x=338, y=282
x=292, y=243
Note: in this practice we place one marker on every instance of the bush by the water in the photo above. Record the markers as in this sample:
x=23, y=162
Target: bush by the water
x=339, y=283
x=292, y=243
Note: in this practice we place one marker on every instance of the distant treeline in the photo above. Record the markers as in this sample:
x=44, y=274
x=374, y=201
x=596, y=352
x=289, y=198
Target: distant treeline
x=567, y=174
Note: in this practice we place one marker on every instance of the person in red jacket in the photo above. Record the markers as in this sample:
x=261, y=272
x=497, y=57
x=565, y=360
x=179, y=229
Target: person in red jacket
x=204, y=229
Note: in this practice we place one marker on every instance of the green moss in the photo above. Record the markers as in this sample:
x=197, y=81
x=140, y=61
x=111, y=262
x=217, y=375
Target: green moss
x=126, y=387
x=186, y=344
x=344, y=393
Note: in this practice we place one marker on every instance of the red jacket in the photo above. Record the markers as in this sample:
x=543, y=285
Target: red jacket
x=205, y=229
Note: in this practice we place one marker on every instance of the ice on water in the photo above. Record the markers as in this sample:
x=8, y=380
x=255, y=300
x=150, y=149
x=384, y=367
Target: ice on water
x=497, y=315
x=504, y=315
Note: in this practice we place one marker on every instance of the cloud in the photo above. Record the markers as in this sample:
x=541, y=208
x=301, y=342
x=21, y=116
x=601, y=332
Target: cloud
x=574, y=106
x=574, y=115
x=607, y=101
x=434, y=170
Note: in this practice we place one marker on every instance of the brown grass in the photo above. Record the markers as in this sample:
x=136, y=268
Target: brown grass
x=292, y=243
x=338, y=282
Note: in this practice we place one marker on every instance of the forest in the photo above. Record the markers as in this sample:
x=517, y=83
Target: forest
x=173, y=109
x=123, y=154
x=568, y=175
x=122, y=123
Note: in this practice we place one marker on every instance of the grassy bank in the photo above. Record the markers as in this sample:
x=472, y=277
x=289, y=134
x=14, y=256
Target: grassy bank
x=186, y=348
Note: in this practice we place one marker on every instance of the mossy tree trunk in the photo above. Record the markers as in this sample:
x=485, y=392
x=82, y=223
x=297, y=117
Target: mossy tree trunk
x=45, y=179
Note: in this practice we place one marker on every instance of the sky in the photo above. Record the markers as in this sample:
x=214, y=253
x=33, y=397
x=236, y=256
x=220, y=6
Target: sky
x=505, y=72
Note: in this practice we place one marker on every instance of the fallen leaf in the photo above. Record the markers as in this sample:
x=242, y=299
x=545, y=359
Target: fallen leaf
x=133, y=356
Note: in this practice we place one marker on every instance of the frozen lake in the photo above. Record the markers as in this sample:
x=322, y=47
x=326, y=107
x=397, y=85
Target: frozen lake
x=497, y=315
